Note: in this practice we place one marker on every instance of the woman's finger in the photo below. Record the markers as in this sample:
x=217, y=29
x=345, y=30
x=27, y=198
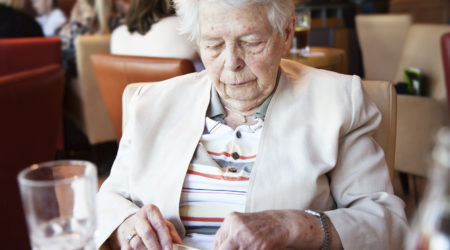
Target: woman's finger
x=218, y=238
x=173, y=232
x=160, y=227
x=123, y=233
x=147, y=235
x=227, y=245
x=136, y=243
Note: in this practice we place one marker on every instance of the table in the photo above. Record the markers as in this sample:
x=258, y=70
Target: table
x=331, y=59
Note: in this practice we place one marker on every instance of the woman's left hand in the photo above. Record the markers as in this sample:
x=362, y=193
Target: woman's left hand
x=271, y=229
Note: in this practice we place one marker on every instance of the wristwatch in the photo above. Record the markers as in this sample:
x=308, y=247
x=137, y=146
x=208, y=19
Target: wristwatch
x=323, y=218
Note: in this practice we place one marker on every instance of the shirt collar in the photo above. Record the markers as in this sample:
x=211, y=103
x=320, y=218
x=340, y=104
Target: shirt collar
x=217, y=112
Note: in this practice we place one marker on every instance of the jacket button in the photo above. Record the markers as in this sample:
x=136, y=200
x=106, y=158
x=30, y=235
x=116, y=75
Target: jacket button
x=238, y=134
x=235, y=156
x=232, y=170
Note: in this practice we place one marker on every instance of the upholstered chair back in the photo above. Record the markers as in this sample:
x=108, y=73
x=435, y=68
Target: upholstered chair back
x=381, y=38
x=115, y=72
x=84, y=102
x=20, y=54
x=445, y=47
x=419, y=117
x=422, y=50
x=31, y=112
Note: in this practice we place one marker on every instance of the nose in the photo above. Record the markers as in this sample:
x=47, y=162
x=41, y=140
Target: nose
x=233, y=60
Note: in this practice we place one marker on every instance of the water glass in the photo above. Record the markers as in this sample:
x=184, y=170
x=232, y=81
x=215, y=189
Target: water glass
x=430, y=227
x=59, y=203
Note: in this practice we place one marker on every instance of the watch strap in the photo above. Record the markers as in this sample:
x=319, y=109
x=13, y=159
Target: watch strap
x=325, y=226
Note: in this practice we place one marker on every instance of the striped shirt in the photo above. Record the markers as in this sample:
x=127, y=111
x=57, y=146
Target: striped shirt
x=217, y=178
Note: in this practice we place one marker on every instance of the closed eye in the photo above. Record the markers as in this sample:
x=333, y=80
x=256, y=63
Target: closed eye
x=252, y=47
x=251, y=44
x=214, y=46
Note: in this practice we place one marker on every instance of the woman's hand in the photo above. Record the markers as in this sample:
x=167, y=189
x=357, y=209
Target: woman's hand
x=262, y=230
x=271, y=229
x=152, y=231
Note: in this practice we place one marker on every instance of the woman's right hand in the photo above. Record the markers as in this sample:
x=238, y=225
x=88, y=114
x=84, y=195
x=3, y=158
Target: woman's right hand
x=152, y=230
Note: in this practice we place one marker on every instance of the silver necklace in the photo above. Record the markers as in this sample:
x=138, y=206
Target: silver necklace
x=244, y=117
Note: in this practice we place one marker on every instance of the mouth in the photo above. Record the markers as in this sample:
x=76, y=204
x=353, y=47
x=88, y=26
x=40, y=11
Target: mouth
x=240, y=83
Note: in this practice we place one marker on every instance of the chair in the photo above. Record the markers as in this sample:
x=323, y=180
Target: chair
x=20, y=54
x=381, y=38
x=382, y=93
x=84, y=103
x=31, y=108
x=418, y=118
x=445, y=46
x=115, y=72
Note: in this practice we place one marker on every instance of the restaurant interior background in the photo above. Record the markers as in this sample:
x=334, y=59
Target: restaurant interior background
x=333, y=26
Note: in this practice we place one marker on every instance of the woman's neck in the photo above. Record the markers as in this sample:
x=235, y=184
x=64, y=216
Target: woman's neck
x=238, y=115
x=242, y=107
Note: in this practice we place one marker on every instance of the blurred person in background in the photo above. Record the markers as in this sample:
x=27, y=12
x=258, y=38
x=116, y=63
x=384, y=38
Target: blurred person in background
x=87, y=17
x=151, y=29
x=50, y=17
x=15, y=23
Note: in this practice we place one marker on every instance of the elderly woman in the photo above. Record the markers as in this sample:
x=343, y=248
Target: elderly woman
x=255, y=152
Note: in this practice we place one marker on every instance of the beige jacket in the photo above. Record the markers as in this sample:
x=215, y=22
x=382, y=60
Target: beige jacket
x=315, y=153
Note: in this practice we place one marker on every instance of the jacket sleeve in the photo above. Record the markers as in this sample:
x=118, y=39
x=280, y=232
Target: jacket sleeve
x=113, y=200
x=368, y=214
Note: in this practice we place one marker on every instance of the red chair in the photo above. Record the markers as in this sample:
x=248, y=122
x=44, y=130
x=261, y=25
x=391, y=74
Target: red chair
x=445, y=45
x=31, y=111
x=20, y=54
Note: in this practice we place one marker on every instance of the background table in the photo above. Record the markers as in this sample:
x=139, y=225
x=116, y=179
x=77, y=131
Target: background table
x=331, y=59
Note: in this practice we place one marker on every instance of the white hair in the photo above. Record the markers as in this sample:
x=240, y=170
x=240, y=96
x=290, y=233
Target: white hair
x=278, y=12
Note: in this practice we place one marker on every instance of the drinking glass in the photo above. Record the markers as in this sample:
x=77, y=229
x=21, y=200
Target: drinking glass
x=59, y=203
x=301, y=35
x=430, y=227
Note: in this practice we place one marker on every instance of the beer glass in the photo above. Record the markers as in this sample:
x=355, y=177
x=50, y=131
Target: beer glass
x=59, y=203
x=301, y=35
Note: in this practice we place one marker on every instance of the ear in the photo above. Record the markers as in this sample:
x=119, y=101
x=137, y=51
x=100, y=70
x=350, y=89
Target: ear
x=289, y=31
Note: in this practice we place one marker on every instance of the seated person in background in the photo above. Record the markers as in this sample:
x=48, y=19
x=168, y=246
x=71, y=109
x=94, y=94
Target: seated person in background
x=87, y=17
x=15, y=23
x=152, y=30
x=254, y=152
x=50, y=16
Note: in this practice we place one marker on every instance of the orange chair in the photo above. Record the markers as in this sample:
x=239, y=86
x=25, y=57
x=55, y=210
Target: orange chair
x=115, y=72
x=445, y=45
x=31, y=110
x=19, y=54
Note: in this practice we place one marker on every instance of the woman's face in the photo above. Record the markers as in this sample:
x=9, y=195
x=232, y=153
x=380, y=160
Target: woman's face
x=42, y=6
x=241, y=52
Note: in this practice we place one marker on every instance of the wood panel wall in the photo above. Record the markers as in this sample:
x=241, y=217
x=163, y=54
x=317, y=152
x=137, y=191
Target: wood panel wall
x=423, y=11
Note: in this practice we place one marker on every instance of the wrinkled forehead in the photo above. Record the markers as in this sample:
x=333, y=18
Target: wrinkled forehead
x=218, y=18
x=206, y=6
